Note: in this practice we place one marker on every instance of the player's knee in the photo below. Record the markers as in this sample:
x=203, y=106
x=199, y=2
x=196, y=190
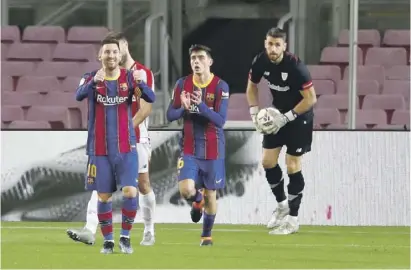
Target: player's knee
x=293, y=164
x=187, y=188
x=270, y=158
x=104, y=197
x=144, y=183
x=129, y=192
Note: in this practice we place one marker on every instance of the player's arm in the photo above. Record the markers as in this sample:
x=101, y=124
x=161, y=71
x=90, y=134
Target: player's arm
x=86, y=86
x=219, y=115
x=307, y=91
x=175, y=110
x=145, y=109
x=254, y=77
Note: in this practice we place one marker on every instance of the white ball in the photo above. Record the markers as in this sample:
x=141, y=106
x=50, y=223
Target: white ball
x=265, y=117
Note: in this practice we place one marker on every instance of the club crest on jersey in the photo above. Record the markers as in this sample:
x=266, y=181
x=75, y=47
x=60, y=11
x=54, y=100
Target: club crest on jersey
x=123, y=86
x=284, y=76
x=110, y=101
x=210, y=97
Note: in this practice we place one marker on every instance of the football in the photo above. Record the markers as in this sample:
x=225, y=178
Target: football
x=265, y=117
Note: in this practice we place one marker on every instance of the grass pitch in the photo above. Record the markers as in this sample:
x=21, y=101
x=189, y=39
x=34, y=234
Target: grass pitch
x=38, y=245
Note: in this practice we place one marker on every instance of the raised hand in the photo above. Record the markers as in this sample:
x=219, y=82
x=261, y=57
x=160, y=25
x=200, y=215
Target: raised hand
x=185, y=100
x=99, y=77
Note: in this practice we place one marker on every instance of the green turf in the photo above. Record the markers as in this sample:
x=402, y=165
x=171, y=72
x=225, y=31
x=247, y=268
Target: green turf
x=46, y=245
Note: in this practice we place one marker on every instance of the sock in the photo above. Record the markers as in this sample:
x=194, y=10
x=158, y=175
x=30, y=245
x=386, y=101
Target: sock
x=276, y=181
x=208, y=222
x=295, y=192
x=92, y=218
x=105, y=217
x=148, y=203
x=128, y=211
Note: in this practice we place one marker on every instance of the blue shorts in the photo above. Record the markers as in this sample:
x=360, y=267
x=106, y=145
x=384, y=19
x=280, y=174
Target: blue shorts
x=209, y=174
x=105, y=173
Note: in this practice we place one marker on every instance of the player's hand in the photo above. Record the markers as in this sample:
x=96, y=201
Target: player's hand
x=139, y=76
x=196, y=97
x=99, y=77
x=253, y=113
x=185, y=100
x=278, y=122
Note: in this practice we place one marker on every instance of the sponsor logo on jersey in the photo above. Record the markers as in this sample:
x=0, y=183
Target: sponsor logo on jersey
x=278, y=88
x=194, y=109
x=110, y=101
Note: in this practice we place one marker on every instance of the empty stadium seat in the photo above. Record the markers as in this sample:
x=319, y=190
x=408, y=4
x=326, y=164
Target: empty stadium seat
x=339, y=56
x=77, y=110
x=345, y=126
x=364, y=87
x=58, y=117
x=238, y=100
x=6, y=83
x=326, y=117
x=395, y=87
x=28, y=52
x=38, y=84
x=366, y=38
x=29, y=125
x=4, y=50
x=11, y=113
x=59, y=69
x=384, y=102
x=323, y=72
x=90, y=66
x=397, y=38
x=339, y=102
x=386, y=57
x=10, y=34
x=376, y=73
x=398, y=73
x=401, y=117
x=74, y=52
x=389, y=127
x=90, y=35
x=324, y=87
x=70, y=84
x=238, y=115
x=369, y=117
x=17, y=69
x=23, y=99
x=44, y=34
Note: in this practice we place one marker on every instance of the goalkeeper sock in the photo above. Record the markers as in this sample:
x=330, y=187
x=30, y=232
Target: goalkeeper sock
x=105, y=217
x=208, y=222
x=129, y=212
x=276, y=181
x=295, y=192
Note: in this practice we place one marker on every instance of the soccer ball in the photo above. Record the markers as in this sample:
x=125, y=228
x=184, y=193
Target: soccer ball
x=265, y=118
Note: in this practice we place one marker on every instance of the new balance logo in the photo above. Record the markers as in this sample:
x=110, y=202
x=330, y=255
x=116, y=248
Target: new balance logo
x=267, y=73
x=299, y=150
x=110, y=101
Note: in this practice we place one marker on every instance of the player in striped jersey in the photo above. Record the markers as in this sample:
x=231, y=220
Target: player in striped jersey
x=201, y=99
x=147, y=201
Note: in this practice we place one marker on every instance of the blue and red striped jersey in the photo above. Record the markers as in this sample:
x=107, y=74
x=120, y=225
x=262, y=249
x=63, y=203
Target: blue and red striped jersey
x=110, y=125
x=203, y=133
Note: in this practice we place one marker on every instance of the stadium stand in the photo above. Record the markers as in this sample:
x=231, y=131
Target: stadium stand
x=41, y=67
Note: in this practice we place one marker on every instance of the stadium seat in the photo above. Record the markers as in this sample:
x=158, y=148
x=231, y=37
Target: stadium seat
x=366, y=38
x=376, y=73
x=90, y=66
x=397, y=38
x=58, y=117
x=324, y=87
x=4, y=50
x=74, y=52
x=77, y=110
x=339, y=102
x=369, y=117
x=345, y=126
x=70, y=84
x=59, y=69
x=384, y=102
x=238, y=100
x=28, y=52
x=17, y=69
x=326, y=117
x=323, y=72
x=6, y=83
x=395, y=87
x=364, y=87
x=44, y=34
x=29, y=125
x=89, y=35
x=401, y=117
x=386, y=57
x=11, y=113
x=398, y=73
x=10, y=34
x=23, y=99
x=339, y=56
x=238, y=115
x=38, y=84
x=389, y=127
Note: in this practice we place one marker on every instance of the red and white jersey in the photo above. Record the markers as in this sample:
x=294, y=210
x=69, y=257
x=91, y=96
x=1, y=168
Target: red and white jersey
x=142, y=129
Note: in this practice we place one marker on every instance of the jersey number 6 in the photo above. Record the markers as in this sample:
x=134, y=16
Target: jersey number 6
x=180, y=163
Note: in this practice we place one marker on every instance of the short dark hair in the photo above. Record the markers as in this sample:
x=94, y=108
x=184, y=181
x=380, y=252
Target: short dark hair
x=276, y=32
x=116, y=35
x=109, y=40
x=199, y=47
